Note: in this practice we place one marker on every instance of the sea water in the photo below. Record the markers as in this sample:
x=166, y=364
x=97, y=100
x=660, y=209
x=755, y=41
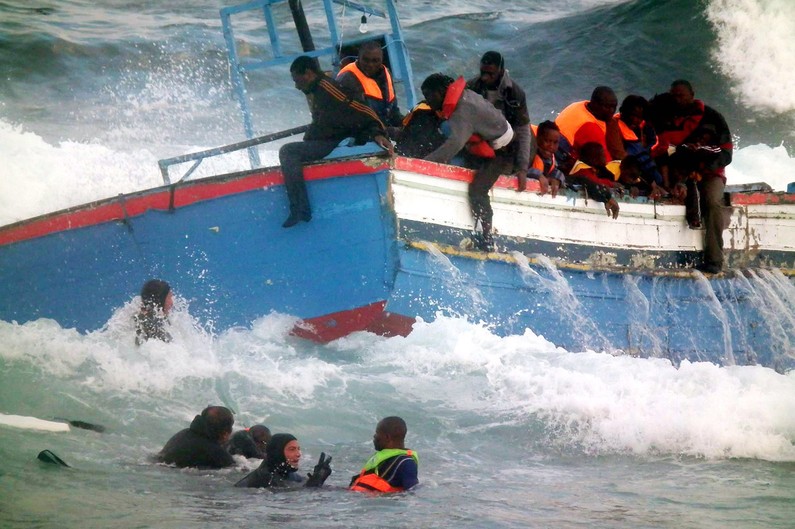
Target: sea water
x=511, y=432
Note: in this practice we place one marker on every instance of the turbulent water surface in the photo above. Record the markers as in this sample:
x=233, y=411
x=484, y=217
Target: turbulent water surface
x=511, y=432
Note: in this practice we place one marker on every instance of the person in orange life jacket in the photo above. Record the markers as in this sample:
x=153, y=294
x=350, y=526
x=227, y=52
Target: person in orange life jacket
x=156, y=302
x=474, y=123
x=544, y=166
x=335, y=116
x=201, y=445
x=585, y=122
x=701, y=148
x=593, y=172
x=280, y=467
x=368, y=80
x=250, y=442
x=628, y=134
x=392, y=468
x=495, y=85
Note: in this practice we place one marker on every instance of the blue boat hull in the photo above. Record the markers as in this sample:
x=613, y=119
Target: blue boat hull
x=740, y=318
x=226, y=254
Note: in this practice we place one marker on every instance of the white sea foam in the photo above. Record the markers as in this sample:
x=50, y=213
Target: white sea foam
x=756, y=46
x=604, y=403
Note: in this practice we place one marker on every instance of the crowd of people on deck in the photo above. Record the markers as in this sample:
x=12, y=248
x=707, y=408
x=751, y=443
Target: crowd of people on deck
x=672, y=147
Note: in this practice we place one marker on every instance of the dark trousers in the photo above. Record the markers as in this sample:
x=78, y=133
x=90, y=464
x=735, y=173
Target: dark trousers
x=487, y=170
x=292, y=157
x=705, y=200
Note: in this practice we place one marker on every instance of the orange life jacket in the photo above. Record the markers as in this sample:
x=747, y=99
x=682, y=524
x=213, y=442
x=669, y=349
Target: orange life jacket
x=476, y=145
x=370, y=86
x=369, y=481
x=627, y=134
x=575, y=116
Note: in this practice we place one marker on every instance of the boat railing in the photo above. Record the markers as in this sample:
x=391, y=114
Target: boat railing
x=396, y=55
x=199, y=157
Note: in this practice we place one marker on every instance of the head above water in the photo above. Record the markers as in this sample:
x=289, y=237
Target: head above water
x=261, y=435
x=283, y=449
x=603, y=103
x=219, y=421
x=390, y=433
x=492, y=68
x=434, y=88
x=156, y=294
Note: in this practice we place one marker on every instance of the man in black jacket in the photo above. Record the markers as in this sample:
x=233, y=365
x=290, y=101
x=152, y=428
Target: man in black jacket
x=201, y=445
x=335, y=116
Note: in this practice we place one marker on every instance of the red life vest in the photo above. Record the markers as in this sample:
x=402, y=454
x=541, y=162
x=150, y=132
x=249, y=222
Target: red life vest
x=370, y=86
x=476, y=145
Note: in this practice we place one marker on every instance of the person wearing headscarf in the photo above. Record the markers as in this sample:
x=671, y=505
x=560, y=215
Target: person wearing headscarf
x=156, y=303
x=280, y=467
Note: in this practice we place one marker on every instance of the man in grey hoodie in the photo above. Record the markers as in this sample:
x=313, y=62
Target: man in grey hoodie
x=474, y=123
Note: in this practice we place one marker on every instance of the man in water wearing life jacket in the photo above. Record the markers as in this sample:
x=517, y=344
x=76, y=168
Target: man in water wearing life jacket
x=585, y=122
x=495, y=85
x=201, y=445
x=368, y=80
x=392, y=468
x=698, y=146
x=335, y=116
x=476, y=124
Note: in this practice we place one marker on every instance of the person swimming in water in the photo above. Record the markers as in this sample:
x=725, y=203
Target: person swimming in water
x=280, y=467
x=202, y=444
x=156, y=303
x=250, y=442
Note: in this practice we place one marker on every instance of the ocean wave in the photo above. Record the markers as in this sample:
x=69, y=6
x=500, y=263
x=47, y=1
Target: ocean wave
x=756, y=46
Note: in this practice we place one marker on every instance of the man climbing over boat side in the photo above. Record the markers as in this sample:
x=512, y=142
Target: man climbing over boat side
x=392, y=468
x=696, y=146
x=368, y=80
x=335, y=116
x=496, y=85
x=476, y=124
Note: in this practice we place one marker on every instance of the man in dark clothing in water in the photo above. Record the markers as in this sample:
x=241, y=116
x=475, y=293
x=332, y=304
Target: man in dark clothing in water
x=335, y=116
x=250, y=442
x=201, y=445
x=279, y=470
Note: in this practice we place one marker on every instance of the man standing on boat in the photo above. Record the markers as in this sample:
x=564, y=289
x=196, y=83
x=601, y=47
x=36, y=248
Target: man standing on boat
x=698, y=146
x=368, y=80
x=335, y=116
x=476, y=124
x=495, y=85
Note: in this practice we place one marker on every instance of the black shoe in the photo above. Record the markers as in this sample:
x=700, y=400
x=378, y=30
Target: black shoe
x=708, y=268
x=292, y=220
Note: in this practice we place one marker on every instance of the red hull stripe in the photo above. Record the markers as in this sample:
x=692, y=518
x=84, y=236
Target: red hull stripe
x=326, y=328
x=184, y=194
